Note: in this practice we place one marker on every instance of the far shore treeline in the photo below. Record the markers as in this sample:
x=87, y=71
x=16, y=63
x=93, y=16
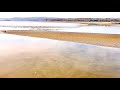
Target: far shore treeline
x=61, y=19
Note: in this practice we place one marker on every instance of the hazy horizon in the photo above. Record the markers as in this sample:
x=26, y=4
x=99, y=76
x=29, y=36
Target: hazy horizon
x=61, y=14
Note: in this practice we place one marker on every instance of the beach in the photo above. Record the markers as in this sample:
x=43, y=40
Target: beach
x=59, y=44
x=60, y=54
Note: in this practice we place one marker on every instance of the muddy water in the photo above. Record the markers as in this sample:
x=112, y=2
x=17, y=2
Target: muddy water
x=22, y=56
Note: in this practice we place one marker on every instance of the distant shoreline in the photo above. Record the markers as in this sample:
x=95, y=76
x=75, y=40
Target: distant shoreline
x=59, y=22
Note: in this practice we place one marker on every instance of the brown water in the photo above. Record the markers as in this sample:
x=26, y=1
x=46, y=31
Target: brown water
x=35, y=57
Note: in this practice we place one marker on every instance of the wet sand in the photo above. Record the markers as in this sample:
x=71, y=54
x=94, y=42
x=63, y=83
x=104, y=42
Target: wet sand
x=109, y=40
x=102, y=23
x=27, y=57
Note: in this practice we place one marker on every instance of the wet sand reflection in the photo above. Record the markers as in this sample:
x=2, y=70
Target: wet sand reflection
x=35, y=57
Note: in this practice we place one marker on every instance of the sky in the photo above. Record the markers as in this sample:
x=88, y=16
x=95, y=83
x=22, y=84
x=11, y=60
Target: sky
x=61, y=14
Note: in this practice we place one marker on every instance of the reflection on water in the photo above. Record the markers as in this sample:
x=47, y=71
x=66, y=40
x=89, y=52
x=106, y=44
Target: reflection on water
x=33, y=23
x=22, y=56
x=95, y=29
x=64, y=27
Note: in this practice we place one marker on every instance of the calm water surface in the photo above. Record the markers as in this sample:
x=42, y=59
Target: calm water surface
x=22, y=56
x=64, y=27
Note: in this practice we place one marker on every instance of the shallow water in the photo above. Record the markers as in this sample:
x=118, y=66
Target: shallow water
x=64, y=27
x=31, y=23
x=95, y=29
x=22, y=56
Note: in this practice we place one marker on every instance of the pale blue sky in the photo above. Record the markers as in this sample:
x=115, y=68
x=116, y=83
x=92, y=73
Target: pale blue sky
x=61, y=14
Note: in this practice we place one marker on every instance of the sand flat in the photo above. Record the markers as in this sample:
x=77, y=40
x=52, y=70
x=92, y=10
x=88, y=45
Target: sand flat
x=25, y=57
x=60, y=59
x=109, y=40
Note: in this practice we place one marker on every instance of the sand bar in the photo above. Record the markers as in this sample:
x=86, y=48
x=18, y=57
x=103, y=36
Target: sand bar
x=109, y=40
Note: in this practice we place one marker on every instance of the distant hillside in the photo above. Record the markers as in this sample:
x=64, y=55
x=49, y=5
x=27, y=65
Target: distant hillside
x=29, y=19
x=59, y=19
x=26, y=19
